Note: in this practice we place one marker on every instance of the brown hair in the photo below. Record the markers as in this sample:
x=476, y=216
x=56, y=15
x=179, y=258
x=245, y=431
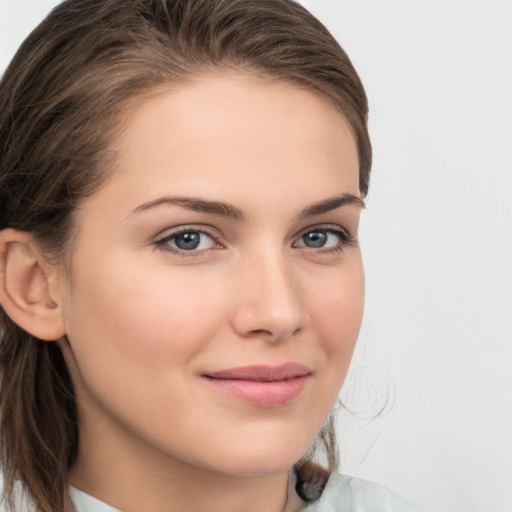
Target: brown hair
x=61, y=100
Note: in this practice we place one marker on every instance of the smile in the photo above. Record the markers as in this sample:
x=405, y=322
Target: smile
x=262, y=386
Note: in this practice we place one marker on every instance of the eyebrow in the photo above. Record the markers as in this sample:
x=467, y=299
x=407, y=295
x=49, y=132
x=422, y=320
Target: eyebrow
x=197, y=205
x=332, y=203
x=232, y=212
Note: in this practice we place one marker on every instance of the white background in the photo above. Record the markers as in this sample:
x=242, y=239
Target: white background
x=437, y=241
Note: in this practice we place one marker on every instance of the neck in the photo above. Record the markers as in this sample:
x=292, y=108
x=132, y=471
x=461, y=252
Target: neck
x=131, y=475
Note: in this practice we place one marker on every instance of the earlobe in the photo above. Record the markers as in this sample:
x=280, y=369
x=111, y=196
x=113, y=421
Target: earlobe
x=24, y=288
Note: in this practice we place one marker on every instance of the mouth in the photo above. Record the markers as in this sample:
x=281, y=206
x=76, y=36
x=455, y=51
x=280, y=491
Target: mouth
x=260, y=385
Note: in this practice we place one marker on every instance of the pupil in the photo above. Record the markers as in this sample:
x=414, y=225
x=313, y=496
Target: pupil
x=315, y=239
x=187, y=241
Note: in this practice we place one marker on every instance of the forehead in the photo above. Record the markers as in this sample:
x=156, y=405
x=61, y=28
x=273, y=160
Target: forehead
x=227, y=136
x=233, y=112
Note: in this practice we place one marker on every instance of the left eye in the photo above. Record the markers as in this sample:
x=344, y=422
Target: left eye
x=321, y=239
x=188, y=241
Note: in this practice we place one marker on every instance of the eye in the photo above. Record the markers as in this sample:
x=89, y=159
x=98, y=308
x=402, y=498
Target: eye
x=330, y=239
x=186, y=240
x=319, y=238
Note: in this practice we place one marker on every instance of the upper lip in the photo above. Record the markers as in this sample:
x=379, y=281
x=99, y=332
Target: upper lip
x=262, y=373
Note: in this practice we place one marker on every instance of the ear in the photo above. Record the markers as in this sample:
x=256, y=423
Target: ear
x=24, y=287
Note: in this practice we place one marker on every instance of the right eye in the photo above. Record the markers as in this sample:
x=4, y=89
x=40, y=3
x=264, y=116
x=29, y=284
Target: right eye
x=186, y=241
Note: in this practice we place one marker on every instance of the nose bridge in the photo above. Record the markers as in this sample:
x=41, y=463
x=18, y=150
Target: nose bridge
x=270, y=301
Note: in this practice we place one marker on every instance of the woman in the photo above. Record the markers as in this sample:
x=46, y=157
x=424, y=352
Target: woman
x=182, y=286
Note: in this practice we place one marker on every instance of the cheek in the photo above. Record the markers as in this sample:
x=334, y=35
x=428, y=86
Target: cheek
x=134, y=336
x=341, y=301
x=337, y=310
x=146, y=320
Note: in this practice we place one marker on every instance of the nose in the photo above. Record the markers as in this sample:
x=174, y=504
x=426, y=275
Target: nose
x=269, y=302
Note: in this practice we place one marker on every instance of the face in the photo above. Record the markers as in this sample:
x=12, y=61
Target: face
x=215, y=289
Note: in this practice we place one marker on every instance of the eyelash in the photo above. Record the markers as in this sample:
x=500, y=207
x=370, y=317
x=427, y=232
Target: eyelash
x=163, y=243
x=344, y=237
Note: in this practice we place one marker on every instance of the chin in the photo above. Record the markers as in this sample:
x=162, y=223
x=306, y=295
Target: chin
x=259, y=468
x=259, y=461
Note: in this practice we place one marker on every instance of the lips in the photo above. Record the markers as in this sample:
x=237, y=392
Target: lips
x=260, y=385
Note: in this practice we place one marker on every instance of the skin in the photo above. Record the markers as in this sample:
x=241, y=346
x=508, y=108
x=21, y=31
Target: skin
x=144, y=320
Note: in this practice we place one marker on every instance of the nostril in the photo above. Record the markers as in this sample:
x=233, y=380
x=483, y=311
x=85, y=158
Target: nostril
x=276, y=334
x=262, y=333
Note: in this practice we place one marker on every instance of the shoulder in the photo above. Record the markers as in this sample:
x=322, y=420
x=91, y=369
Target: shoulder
x=22, y=503
x=344, y=493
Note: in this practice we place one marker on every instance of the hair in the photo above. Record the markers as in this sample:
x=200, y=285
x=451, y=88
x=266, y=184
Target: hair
x=62, y=101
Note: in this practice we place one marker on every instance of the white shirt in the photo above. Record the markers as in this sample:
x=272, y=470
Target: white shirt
x=342, y=493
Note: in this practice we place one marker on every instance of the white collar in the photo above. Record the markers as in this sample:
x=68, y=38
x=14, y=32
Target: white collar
x=86, y=503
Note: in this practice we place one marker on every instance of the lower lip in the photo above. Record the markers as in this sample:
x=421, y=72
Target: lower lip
x=261, y=394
